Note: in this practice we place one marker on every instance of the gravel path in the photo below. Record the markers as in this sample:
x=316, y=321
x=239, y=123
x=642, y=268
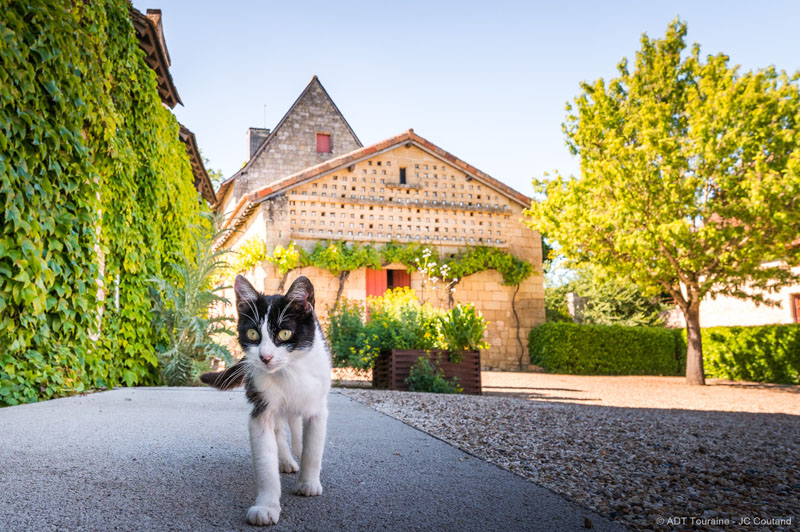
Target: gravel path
x=637, y=466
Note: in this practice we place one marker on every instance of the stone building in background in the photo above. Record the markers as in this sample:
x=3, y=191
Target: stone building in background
x=310, y=179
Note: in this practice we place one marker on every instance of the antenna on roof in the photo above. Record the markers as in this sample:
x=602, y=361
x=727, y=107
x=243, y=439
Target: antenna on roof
x=265, y=116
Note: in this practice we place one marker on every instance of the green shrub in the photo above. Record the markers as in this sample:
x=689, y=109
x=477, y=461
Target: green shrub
x=462, y=329
x=181, y=312
x=424, y=376
x=607, y=349
x=397, y=320
x=769, y=353
x=346, y=337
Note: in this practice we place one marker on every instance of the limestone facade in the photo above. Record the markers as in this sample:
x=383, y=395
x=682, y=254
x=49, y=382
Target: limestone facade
x=404, y=190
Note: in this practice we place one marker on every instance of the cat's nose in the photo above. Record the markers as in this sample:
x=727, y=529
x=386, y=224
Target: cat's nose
x=266, y=358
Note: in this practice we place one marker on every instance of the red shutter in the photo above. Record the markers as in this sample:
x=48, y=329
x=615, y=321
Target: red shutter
x=796, y=301
x=401, y=278
x=323, y=143
x=376, y=282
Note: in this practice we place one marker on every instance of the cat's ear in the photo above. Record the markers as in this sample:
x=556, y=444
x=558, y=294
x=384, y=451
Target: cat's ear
x=226, y=380
x=301, y=294
x=245, y=293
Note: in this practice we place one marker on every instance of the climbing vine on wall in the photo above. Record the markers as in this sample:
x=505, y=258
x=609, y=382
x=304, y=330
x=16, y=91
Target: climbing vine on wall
x=340, y=259
x=97, y=191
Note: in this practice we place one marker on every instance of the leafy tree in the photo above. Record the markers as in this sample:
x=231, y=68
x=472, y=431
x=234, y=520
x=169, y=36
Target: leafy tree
x=181, y=314
x=613, y=301
x=215, y=174
x=690, y=179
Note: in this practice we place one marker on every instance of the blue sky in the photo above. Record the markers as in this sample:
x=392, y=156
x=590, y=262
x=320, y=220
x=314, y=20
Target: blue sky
x=487, y=81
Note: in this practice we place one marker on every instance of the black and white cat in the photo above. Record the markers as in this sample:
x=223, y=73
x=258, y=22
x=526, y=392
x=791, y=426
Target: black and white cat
x=286, y=372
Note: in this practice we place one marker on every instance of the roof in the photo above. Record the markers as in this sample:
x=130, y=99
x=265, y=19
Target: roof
x=201, y=180
x=248, y=203
x=151, y=41
x=243, y=170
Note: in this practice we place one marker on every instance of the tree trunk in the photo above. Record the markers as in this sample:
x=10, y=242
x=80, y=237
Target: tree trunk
x=694, y=346
x=283, y=282
x=342, y=278
x=516, y=317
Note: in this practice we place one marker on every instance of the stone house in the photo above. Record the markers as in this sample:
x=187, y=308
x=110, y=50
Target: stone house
x=310, y=179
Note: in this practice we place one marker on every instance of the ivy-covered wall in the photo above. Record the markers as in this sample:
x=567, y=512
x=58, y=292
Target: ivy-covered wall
x=97, y=191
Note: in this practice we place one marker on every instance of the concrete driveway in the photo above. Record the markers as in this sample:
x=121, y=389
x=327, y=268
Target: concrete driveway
x=178, y=459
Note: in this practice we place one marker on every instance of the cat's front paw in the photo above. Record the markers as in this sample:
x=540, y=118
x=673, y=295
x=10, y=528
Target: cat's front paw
x=309, y=489
x=263, y=515
x=289, y=466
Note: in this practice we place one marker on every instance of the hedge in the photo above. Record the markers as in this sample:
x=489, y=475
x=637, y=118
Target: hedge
x=607, y=349
x=96, y=189
x=769, y=353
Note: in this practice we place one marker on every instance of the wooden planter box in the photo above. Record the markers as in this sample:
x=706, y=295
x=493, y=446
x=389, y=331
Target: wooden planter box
x=392, y=368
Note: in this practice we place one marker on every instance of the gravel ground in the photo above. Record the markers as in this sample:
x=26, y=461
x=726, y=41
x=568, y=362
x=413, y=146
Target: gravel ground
x=635, y=464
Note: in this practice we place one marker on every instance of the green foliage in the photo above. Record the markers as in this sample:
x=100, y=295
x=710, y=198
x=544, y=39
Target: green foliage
x=480, y=258
x=606, y=349
x=347, y=338
x=610, y=301
x=397, y=320
x=181, y=312
x=289, y=258
x=555, y=304
x=251, y=253
x=769, y=353
x=337, y=257
x=690, y=170
x=92, y=173
x=462, y=329
x=424, y=376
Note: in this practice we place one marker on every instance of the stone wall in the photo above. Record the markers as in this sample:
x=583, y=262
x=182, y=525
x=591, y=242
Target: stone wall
x=293, y=146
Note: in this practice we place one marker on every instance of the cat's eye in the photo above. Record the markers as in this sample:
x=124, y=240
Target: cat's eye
x=252, y=334
x=284, y=334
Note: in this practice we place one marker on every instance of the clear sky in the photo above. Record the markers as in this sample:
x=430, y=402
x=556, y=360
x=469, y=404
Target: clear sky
x=487, y=81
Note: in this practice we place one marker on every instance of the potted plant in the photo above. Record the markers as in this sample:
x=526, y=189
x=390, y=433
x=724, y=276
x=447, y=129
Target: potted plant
x=400, y=330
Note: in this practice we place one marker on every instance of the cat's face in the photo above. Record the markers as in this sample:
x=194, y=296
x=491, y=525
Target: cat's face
x=273, y=329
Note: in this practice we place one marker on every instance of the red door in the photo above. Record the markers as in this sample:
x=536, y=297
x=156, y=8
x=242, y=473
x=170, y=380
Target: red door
x=376, y=282
x=398, y=278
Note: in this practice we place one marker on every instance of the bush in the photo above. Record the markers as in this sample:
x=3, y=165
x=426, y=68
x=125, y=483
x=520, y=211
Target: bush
x=424, y=376
x=769, y=353
x=607, y=349
x=346, y=337
x=461, y=329
x=397, y=320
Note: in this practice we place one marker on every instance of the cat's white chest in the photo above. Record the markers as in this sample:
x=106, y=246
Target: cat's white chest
x=301, y=388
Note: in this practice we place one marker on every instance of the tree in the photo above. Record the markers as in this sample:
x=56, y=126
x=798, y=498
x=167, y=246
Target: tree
x=690, y=179
x=609, y=301
x=215, y=174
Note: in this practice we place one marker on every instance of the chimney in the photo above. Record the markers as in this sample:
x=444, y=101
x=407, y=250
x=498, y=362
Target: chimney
x=255, y=138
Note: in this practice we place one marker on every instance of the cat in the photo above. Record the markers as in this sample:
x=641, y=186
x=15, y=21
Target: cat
x=286, y=372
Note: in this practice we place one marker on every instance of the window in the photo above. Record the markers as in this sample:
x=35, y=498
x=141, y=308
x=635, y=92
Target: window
x=402, y=176
x=323, y=143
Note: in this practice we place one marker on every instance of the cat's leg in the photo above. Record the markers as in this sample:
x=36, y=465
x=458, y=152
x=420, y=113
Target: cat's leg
x=311, y=462
x=263, y=445
x=296, y=428
x=285, y=460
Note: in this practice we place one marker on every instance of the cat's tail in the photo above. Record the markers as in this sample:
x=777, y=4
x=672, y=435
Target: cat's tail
x=226, y=380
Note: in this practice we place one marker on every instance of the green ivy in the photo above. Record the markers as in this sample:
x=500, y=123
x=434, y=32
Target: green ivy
x=92, y=173
x=337, y=257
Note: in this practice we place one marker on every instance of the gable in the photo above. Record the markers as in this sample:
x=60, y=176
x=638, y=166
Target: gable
x=436, y=202
x=293, y=144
